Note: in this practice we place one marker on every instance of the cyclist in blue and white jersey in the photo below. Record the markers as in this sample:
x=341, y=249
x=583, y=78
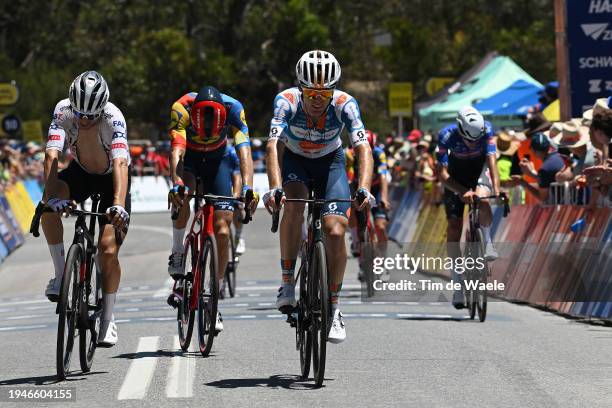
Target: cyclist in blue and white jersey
x=467, y=166
x=308, y=121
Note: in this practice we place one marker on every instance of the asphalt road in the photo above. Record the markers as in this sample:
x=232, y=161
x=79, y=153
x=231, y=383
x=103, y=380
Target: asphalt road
x=421, y=355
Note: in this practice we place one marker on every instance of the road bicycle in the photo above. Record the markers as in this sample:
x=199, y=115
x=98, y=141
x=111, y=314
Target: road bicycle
x=476, y=298
x=229, y=279
x=366, y=232
x=198, y=290
x=80, y=301
x=312, y=315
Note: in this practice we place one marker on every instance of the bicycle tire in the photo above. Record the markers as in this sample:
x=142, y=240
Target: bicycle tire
x=207, y=299
x=185, y=316
x=232, y=264
x=67, y=307
x=303, y=335
x=481, y=300
x=469, y=293
x=319, y=309
x=88, y=334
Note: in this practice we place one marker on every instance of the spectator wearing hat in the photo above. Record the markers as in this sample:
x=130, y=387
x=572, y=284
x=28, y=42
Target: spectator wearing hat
x=552, y=162
x=507, y=159
x=574, y=137
x=548, y=95
x=600, y=176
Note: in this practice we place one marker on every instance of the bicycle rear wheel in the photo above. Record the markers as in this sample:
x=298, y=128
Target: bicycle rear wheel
x=185, y=315
x=208, y=295
x=303, y=335
x=68, y=311
x=318, y=297
x=91, y=304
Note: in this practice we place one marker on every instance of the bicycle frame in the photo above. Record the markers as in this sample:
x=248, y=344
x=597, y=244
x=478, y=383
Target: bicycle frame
x=202, y=226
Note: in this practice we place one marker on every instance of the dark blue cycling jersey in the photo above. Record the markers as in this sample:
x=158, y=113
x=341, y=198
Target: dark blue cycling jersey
x=451, y=142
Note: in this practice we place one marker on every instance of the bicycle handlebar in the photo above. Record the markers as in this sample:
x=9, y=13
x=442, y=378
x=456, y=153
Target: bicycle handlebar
x=42, y=208
x=249, y=196
x=279, y=195
x=502, y=196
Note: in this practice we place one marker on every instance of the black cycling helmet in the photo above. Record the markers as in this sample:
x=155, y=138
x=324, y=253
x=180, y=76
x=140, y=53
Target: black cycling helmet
x=539, y=142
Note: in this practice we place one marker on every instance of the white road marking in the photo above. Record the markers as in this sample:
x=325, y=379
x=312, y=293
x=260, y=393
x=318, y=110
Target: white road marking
x=25, y=302
x=265, y=304
x=34, y=326
x=179, y=383
x=244, y=317
x=141, y=370
x=25, y=317
x=123, y=321
x=159, y=319
x=275, y=316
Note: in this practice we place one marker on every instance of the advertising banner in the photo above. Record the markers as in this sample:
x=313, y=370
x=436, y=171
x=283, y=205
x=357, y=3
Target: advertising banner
x=589, y=38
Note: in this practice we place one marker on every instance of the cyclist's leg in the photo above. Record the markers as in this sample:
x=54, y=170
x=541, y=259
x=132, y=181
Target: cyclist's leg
x=484, y=189
x=295, y=180
x=335, y=220
x=69, y=186
x=380, y=219
x=331, y=179
x=218, y=181
x=108, y=255
x=175, y=261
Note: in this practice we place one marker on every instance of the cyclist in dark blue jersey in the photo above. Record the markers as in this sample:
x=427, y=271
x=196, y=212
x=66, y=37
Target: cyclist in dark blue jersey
x=467, y=167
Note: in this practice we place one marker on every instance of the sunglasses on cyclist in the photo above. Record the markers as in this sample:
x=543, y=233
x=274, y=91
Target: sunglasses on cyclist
x=310, y=93
x=92, y=116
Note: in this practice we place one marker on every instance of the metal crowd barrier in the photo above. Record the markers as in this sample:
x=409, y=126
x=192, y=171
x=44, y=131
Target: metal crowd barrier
x=570, y=194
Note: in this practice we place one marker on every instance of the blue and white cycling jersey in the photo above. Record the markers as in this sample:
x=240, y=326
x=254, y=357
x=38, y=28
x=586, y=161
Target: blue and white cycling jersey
x=234, y=160
x=450, y=142
x=293, y=127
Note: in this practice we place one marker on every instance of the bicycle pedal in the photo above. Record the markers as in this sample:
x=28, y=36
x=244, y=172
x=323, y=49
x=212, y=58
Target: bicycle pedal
x=173, y=301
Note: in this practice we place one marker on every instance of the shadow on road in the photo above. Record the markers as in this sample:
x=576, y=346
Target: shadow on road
x=290, y=382
x=441, y=318
x=49, y=379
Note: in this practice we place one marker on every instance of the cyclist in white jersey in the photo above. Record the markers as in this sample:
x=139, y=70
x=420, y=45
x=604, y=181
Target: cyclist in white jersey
x=96, y=133
x=308, y=121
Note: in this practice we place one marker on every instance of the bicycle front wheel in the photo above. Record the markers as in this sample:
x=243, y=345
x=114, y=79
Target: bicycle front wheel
x=318, y=295
x=91, y=303
x=185, y=314
x=303, y=334
x=208, y=295
x=481, y=295
x=68, y=310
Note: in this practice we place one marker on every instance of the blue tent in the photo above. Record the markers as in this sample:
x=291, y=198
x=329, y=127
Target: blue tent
x=510, y=101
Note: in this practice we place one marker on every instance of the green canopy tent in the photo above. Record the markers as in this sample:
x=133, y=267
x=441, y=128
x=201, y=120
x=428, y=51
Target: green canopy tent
x=498, y=74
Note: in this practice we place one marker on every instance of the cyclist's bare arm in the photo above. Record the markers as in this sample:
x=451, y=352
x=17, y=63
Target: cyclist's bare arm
x=176, y=163
x=366, y=165
x=272, y=164
x=448, y=181
x=494, y=172
x=384, y=189
x=51, y=166
x=237, y=184
x=120, y=181
x=246, y=165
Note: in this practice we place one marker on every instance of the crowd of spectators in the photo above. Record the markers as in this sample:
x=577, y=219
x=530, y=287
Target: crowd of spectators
x=573, y=154
x=20, y=160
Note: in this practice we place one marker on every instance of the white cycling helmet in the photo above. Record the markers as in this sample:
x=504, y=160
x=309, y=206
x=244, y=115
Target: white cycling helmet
x=88, y=93
x=318, y=69
x=471, y=123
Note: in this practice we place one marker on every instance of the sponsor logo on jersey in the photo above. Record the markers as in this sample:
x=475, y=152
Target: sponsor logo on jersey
x=117, y=135
x=54, y=138
x=308, y=146
x=119, y=146
x=118, y=123
x=341, y=99
x=290, y=97
x=58, y=116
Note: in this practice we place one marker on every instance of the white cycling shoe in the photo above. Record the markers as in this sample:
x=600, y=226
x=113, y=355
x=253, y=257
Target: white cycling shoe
x=108, y=334
x=175, y=265
x=241, y=246
x=286, y=297
x=490, y=252
x=53, y=289
x=337, y=332
x=219, y=322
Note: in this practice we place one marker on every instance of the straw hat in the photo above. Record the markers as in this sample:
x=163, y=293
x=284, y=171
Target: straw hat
x=554, y=130
x=572, y=135
x=506, y=144
x=600, y=105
